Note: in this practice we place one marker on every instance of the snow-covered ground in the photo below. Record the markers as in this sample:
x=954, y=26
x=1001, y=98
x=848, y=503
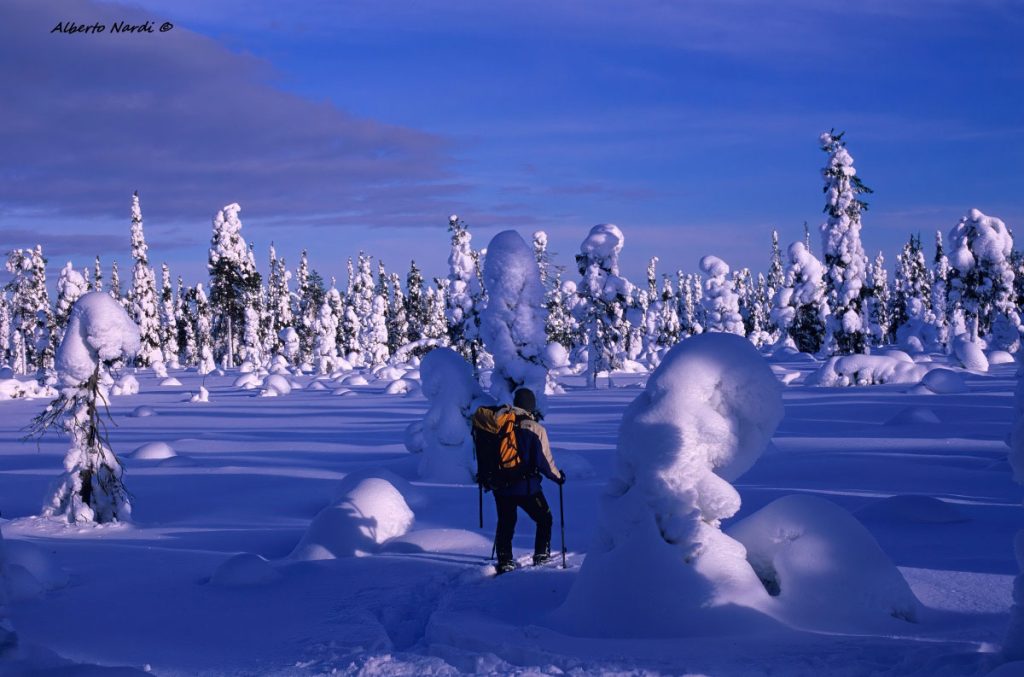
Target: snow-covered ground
x=926, y=474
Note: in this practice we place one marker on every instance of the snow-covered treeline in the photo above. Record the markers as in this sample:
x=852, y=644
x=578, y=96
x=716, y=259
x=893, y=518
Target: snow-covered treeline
x=969, y=290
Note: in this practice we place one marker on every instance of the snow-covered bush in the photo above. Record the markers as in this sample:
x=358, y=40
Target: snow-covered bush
x=512, y=324
x=99, y=334
x=706, y=415
x=371, y=513
x=824, y=568
x=721, y=303
x=865, y=370
x=454, y=395
x=970, y=353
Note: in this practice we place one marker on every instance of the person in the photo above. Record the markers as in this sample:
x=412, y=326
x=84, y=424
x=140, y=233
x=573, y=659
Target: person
x=535, y=451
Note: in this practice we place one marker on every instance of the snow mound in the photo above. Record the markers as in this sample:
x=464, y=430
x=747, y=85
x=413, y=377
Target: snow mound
x=861, y=370
x=824, y=568
x=277, y=383
x=944, y=381
x=412, y=495
x=317, y=385
x=970, y=354
x=154, y=451
x=400, y=387
x=343, y=392
x=98, y=330
x=354, y=380
x=913, y=416
x=389, y=373
x=126, y=385
x=911, y=508
x=202, y=396
x=248, y=381
x=456, y=541
x=575, y=466
x=999, y=357
x=30, y=570
x=371, y=513
x=170, y=381
x=13, y=389
x=706, y=415
x=143, y=412
x=244, y=569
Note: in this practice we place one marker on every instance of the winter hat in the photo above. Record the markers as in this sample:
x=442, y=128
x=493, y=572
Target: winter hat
x=525, y=399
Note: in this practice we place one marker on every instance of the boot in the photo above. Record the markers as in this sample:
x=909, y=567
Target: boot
x=504, y=566
x=541, y=558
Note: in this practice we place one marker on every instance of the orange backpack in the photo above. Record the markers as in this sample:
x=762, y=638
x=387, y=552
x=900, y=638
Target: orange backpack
x=499, y=463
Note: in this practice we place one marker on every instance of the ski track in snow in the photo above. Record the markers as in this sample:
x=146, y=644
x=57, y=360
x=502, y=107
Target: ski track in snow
x=252, y=472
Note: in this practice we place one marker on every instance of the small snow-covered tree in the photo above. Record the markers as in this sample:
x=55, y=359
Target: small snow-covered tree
x=913, y=281
x=981, y=279
x=97, y=276
x=325, y=350
x=548, y=270
x=279, y=294
x=878, y=302
x=203, y=331
x=99, y=336
x=667, y=329
x=234, y=282
x=415, y=303
x=31, y=317
x=603, y=293
x=465, y=294
x=115, y=285
x=512, y=324
x=562, y=326
x=721, y=304
x=689, y=300
x=437, y=323
x=801, y=308
x=776, y=271
x=70, y=287
x=398, y=320
x=845, y=262
x=142, y=296
x=940, y=293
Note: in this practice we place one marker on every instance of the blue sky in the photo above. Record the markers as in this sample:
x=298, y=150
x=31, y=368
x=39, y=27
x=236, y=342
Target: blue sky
x=342, y=126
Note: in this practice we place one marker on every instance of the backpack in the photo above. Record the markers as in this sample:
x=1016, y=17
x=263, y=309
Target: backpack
x=498, y=461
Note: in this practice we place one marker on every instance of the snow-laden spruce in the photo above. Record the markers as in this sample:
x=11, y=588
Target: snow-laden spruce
x=800, y=308
x=604, y=293
x=465, y=295
x=981, y=278
x=513, y=322
x=100, y=334
x=142, y=297
x=660, y=565
x=454, y=395
x=721, y=302
x=234, y=282
x=846, y=265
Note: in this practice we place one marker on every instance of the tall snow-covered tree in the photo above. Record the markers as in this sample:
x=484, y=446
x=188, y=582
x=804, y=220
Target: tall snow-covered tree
x=203, y=331
x=512, y=323
x=940, y=293
x=465, y=293
x=721, y=303
x=168, y=319
x=325, y=350
x=371, y=315
x=143, y=306
x=5, y=329
x=845, y=262
x=604, y=294
x=981, y=279
x=398, y=321
x=234, y=283
x=801, y=308
x=30, y=310
x=548, y=271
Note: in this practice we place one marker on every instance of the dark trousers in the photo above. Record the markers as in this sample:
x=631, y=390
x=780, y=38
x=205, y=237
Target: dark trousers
x=536, y=506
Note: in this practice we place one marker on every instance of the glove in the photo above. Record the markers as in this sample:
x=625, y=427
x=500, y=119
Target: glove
x=561, y=479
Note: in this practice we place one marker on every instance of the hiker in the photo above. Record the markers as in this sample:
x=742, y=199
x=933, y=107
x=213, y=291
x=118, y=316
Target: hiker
x=526, y=493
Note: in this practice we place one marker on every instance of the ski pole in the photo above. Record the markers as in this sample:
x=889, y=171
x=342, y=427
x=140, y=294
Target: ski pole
x=561, y=513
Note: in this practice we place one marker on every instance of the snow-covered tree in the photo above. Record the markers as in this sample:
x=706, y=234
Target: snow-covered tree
x=801, y=308
x=371, y=314
x=325, y=349
x=279, y=294
x=100, y=335
x=415, y=303
x=940, y=293
x=879, y=302
x=234, y=282
x=70, y=287
x=97, y=276
x=203, y=331
x=721, y=304
x=168, y=319
x=667, y=329
x=562, y=326
x=845, y=262
x=5, y=329
x=913, y=281
x=776, y=271
x=548, y=271
x=512, y=324
x=398, y=321
x=465, y=294
x=981, y=279
x=115, y=285
x=142, y=299
x=30, y=310
x=604, y=294
x=436, y=326
x=689, y=301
